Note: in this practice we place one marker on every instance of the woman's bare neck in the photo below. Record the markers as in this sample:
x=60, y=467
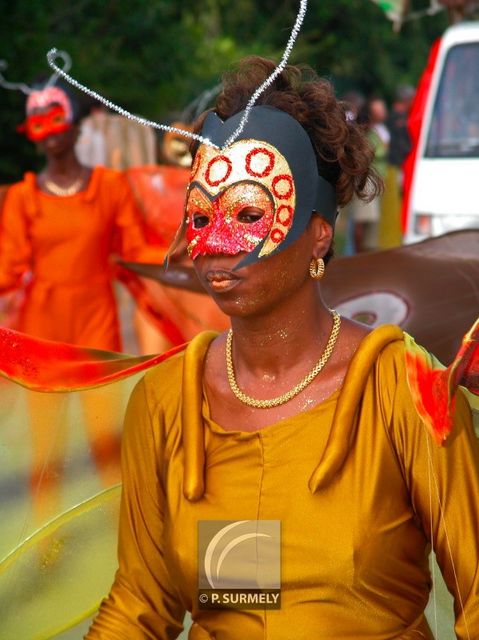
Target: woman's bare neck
x=277, y=340
x=64, y=166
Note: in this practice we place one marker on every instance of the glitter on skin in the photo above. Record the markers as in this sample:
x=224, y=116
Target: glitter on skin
x=268, y=378
x=308, y=404
x=275, y=327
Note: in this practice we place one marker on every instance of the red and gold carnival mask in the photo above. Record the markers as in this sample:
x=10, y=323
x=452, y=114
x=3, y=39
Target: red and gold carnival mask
x=254, y=195
x=238, y=198
x=41, y=125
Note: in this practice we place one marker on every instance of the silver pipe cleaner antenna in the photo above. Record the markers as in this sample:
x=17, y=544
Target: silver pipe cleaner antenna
x=271, y=78
x=51, y=57
x=67, y=65
x=24, y=88
x=53, y=54
x=13, y=86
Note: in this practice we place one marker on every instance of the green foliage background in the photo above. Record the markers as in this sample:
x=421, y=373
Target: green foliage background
x=155, y=56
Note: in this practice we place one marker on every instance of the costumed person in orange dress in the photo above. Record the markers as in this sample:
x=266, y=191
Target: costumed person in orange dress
x=59, y=233
x=61, y=228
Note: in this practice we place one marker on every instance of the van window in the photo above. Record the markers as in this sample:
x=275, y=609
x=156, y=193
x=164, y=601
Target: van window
x=454, y=131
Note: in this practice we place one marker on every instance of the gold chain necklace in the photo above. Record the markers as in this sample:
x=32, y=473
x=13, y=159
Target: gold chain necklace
x=285, y=397
x=54, y=188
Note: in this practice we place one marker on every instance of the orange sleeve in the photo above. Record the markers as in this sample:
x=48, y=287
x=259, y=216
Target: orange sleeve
x=15, y=245
x=131, y=242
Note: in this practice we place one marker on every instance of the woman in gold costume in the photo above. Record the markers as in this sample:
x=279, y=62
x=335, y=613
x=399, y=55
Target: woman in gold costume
x=295, y=420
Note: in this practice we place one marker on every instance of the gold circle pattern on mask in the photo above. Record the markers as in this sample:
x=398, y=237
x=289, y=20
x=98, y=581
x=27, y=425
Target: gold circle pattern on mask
x=250, y=160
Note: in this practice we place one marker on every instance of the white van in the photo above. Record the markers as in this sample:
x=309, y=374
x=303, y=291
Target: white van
x=445, y=187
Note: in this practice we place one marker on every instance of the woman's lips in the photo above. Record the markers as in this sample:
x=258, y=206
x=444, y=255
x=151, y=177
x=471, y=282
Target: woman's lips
x=51, y=141
x=220, y=280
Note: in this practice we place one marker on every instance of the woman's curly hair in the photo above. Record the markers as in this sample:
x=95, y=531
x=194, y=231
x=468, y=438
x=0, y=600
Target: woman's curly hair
x=344, y=154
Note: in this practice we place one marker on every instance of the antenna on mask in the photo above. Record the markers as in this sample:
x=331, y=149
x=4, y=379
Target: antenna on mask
x=24, y=88
x=53, y=54
x=67, y=65
x=271, y=78
x=13, y=86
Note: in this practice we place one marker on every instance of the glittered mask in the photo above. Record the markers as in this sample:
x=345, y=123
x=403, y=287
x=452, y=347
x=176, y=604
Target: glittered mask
x=238, y=199
x=47, y=96
x=39, y=126
x=256, y=195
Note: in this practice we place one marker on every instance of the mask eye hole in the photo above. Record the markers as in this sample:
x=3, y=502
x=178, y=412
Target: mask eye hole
x=249, y=215
x=200, y=220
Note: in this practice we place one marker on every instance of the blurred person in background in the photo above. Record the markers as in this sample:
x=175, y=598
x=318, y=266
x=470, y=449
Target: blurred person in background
x=390, y=234
x=354, y=102
x=114, y=141
x=367, y=215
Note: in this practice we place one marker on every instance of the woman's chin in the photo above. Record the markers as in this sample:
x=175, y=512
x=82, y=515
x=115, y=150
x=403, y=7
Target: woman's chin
x=234, y=303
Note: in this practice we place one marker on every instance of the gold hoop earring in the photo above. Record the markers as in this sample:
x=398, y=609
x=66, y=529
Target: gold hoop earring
x=316, y=268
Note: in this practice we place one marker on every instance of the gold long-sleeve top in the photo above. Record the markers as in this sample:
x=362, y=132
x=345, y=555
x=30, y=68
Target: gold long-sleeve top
x=358, y=486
